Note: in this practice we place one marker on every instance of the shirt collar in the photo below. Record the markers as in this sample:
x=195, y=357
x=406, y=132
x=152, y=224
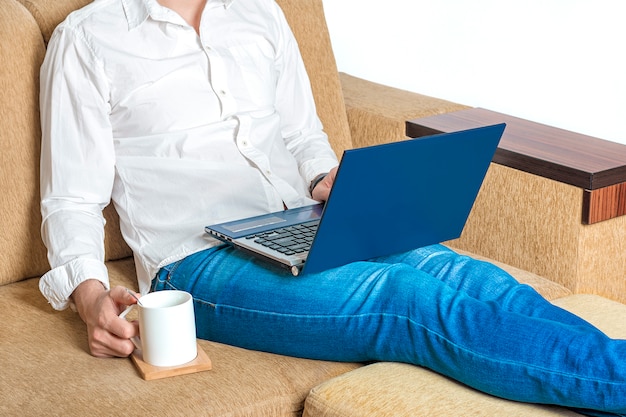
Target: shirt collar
x=137, y=11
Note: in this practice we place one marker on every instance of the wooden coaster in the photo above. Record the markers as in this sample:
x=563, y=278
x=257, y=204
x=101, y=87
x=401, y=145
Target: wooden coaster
x=150, y=372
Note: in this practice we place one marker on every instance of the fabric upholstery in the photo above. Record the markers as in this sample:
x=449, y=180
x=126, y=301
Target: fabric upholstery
x=400, y=390
x=544, y=233
x=49, y=14
x=21, y=51
x=597, y=243
x=24, y=255
x=46, y=370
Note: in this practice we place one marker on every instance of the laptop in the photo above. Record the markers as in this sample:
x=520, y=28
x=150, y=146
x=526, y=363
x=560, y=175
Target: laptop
x=386, y=199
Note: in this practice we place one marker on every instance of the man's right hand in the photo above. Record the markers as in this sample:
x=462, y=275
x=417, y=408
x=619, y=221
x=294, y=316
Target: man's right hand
x=109, y=335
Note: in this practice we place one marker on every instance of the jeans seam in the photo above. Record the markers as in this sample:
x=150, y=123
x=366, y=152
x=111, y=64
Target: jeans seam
x=210, y=304
x=438, y=335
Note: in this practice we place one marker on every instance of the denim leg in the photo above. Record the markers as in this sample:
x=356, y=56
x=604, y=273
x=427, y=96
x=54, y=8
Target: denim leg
x=483, y=281
x=395, y=312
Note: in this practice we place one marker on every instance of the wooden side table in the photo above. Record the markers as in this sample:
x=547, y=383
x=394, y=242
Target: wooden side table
x=555, y=205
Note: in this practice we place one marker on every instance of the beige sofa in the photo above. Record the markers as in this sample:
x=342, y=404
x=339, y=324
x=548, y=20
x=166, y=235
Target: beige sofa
x=45, y=368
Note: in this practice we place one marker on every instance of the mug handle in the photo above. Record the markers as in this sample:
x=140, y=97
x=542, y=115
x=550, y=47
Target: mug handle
x=135, y=339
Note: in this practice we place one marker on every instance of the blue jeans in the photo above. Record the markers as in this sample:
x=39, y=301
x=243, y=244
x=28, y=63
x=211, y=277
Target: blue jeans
x=458, y=316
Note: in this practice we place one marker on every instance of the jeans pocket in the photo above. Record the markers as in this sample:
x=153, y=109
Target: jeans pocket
x=162, y=280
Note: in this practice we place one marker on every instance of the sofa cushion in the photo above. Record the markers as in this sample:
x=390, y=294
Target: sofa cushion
x=401, y=390
x=21, y=52
x=46, y=370
x=23, y=252
x=49, y=14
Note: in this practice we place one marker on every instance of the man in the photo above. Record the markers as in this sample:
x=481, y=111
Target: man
x=192, y=112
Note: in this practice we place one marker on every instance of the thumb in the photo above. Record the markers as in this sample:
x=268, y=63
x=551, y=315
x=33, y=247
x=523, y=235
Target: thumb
x=124, y=296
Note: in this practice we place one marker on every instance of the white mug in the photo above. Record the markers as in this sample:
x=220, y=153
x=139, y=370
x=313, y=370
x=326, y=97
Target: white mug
x=167, y=328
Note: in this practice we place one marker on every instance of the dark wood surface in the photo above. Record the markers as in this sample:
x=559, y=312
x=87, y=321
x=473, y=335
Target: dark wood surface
x=565, y=156
x=604, y=203
x=598, y=166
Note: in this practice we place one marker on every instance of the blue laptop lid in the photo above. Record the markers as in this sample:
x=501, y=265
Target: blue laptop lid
x=399, y=196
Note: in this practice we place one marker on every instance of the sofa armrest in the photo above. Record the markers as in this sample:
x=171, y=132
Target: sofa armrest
x=552, y=202
x=522, y=219
x=535, y=224
x=378, y=113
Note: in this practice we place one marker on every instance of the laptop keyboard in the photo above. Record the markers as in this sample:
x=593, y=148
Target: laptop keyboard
x=288, y=240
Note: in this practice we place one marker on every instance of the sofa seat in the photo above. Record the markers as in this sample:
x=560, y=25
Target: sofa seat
x=401, y=390
x=45, y=370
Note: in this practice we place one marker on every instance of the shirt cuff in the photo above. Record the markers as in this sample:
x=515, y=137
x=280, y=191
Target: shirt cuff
x=58, y=284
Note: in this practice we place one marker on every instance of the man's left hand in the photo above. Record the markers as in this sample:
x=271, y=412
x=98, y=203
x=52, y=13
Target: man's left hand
x=322, y=189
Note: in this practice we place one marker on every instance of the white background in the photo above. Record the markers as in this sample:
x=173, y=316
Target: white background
x=558, y=62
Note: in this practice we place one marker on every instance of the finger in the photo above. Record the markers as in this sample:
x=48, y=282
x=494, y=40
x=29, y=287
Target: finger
x=113, y=339
x=104, y=344
x=121, y=328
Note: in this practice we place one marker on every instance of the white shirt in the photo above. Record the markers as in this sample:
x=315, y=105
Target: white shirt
x=180, y=130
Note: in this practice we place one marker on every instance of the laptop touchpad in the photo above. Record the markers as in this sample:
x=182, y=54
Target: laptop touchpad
x=265, y=221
